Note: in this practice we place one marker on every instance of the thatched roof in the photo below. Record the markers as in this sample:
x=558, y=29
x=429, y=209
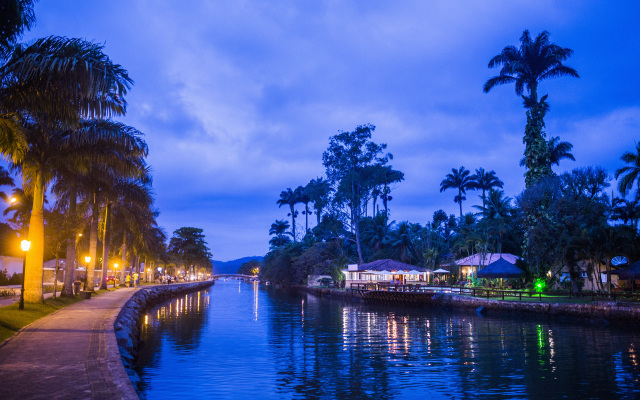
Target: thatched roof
x=631, y=273
x=389, y=265
x=501, y=269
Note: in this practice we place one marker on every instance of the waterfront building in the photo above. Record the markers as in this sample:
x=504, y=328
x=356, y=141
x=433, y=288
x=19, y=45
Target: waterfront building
x=386, y=271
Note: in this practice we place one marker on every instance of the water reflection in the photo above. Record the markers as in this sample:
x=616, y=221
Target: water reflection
x=265, y=343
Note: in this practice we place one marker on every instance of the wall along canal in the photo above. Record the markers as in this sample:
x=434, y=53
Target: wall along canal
x=246, y=341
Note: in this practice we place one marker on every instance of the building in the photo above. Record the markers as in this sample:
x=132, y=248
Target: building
x=385, y=271
x=469, y=265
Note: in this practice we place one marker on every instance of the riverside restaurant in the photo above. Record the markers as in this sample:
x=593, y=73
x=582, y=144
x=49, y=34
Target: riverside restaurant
x=386, y=271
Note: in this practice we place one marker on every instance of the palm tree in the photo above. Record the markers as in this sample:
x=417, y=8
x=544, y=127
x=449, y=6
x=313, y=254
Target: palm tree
x=319, y=191
x=103, y=152
x=47, y=87
x=630, y=173
x=401, y=242
x=527, y=66
x=484, y=181
x=290, y=198
x=304, y=198
x=458, y=179
x=5, y=180
x=496, y=212
x=279, y=229
x=134, y=197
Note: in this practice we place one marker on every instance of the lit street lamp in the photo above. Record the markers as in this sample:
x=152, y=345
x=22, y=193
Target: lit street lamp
x=87, y=260
x=25, y=244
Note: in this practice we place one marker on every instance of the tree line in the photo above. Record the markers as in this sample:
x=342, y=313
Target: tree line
x=558, y=221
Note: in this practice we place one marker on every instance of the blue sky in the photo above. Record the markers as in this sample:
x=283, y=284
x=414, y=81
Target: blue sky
x=238, y=99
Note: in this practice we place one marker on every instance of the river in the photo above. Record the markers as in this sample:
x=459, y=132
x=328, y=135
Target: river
x=247, y=341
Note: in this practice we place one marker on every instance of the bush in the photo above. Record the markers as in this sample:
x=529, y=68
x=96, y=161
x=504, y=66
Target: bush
x=4, y=279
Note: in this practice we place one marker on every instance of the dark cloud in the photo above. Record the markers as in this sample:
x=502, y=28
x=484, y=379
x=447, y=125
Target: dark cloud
x=238, y=98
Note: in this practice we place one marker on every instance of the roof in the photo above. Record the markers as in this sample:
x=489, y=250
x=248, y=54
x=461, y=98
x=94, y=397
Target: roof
x=389, y=265
x=501, y=268
x=488, y=258
x=631, y=273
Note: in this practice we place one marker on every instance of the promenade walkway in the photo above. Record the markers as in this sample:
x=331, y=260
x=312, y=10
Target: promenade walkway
x=70, y=354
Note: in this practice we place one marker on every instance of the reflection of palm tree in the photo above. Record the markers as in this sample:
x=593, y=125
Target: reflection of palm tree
x=458, y=179
x=630, y=173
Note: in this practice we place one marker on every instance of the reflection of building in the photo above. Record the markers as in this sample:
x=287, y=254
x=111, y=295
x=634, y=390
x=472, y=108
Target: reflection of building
x=387, y=271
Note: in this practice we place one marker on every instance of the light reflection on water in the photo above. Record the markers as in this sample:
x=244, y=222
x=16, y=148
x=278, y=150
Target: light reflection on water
x=254, y=342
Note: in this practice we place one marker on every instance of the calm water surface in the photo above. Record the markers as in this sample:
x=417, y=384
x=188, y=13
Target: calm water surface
x=244, y=341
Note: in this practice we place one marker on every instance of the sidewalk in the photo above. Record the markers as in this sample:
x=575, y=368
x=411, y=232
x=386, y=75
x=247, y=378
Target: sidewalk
x=70, y=354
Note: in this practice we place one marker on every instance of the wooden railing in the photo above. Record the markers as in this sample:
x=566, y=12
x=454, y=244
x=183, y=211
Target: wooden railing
x=492, y=293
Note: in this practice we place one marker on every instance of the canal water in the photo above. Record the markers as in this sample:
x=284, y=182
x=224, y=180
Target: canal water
x=247, y=341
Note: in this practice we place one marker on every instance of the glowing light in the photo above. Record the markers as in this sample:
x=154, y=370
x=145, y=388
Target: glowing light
x=540, y=285
x=87, y=259
x=25, y=245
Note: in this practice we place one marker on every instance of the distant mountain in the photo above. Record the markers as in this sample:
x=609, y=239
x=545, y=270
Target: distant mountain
x=231, y=267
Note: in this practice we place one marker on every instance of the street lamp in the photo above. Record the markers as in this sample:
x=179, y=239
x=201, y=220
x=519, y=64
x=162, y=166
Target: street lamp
x=25, y=244
x=87, y=260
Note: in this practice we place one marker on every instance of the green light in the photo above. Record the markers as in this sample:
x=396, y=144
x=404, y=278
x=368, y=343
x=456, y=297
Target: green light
x=540, y=285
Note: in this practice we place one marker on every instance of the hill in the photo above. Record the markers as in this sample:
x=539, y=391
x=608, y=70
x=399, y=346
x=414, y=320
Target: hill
x=231, y=267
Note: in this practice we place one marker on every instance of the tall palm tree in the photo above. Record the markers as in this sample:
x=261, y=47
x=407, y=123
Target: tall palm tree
x=304, y=198
x=48, y=86
x=103, y=152
x=630, y=173
x=484, y=181
x=496, y=212
x=319, y=191
x=129, y=194
x=290, y=198
x=401, y=242
x=460, y=179
x=526, y=66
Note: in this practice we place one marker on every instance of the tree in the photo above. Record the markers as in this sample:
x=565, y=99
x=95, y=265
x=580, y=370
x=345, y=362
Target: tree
x=630, y=173
x=460, y=179
x=188, y=246
x=318, y=191
x=348, y=162
x=304, y=198
x=279, y=229
x=17, y=17
x=526, y=66
x=290, y=198
x=496, y=212
x=48, y=86
x=484, y=181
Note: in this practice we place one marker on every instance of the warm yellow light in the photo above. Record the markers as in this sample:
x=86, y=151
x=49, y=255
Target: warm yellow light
x=115, y=265
x=79, y=234
x=13, y=200
x=87, y=259
x=25, y=244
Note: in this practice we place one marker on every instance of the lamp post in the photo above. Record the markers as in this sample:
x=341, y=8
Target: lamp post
x=25, y=244
x=115, y=274
x=87, y=260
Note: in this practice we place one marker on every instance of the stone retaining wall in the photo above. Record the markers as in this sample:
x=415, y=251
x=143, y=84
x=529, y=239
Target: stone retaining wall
x=615, y=312
x=126, y=326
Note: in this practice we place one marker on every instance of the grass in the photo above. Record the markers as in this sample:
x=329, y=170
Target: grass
x=12, y=319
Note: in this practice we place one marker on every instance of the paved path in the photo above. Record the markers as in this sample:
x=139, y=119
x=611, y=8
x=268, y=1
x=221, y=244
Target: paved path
x=70, y=354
